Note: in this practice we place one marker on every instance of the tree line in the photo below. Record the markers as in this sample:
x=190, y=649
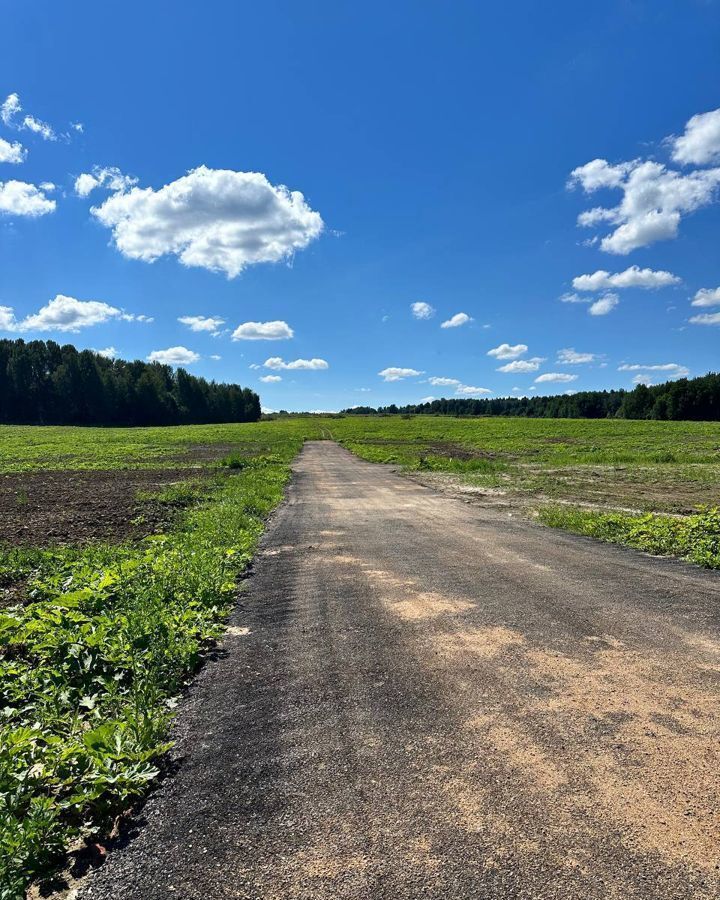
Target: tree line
x=685, y=399
x=44, y=383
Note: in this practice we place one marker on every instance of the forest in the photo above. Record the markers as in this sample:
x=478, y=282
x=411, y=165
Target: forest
x=695, y=399
x=44, y=383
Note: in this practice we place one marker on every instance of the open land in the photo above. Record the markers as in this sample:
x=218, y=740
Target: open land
x=415, y=691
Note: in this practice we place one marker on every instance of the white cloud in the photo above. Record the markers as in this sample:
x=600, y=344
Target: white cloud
x=599, y=173
x=109, y=177
x=10, y=111
x=654, y=200
x=642, y=379
x=276, y=362
x=520, y=366
x=216, y=219
x=673, y=370
x=700, y=143
x=202, y=323
x=555, y=377
x=263, y=331
x=654, y=197
x=467, y=390
x=108, y=352
x=11, y=152
x=174, y=356
x=508, y=351
x=10, y=108
x=422, y=310
x=574, y=298
x=633, y=277
x=457, y=320
x=707, y=297
x=64, y=314
x=215, y=357
x=437, y=381
x=38, y=127
x=604, y=305
x=426, y=399
x=17, y=198
x=571, y=357
x=270, y=379
x=706, y=319
x=396, y=373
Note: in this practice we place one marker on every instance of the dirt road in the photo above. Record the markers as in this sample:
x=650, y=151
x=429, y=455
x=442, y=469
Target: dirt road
x=421, y=698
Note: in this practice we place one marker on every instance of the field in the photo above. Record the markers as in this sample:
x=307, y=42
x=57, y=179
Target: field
x=120, y=551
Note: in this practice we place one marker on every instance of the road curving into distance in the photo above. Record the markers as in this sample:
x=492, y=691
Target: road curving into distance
x=421, y=698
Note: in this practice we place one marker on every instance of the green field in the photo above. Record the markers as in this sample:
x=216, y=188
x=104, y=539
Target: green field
x=98, y=637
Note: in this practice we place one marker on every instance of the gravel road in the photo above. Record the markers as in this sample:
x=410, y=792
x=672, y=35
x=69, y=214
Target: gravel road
x=422, y=698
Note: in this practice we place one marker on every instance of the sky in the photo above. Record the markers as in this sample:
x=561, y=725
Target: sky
x=343, y=204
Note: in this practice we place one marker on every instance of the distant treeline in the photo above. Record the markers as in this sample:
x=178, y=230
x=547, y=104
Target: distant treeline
x=687, y=399
x=43, y=383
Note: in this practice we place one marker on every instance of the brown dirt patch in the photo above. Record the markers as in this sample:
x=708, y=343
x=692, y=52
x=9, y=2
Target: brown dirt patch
x=41, y=508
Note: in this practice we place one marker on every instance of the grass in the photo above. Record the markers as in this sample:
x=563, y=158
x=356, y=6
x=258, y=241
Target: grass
x=695, y=538
x=93, y=660
x=92, y=664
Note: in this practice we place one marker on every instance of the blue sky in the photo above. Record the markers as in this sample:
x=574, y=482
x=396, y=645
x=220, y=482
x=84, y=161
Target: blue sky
x=433, y=147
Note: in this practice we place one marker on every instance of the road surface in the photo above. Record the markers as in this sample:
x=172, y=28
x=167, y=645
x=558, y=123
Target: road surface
x=421, y=698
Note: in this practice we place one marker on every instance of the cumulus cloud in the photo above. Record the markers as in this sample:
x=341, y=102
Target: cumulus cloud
x=574, y=298
x=654, y=197
x=397, y=373
x=599, y=173
x=11, y=152
x=276, y=362
x=263, y=331
x=64, y=314
x=555, y=377
x=468, y=390
x=213, y=324
x=270, y=379
x=700, y=142
x=604, y=305
x=672, y=370
x=457, y=320
x=422, y=310
x=571, y=357
x=707, y=297
x=17, y=198
x=109, y=177
x=217, y=219
x=508, y=351
x=633, y=277
x=706, y=319
x=174, y=356
x=520, y=366
x=438, y=381
x=10, y=111
x=642, y=379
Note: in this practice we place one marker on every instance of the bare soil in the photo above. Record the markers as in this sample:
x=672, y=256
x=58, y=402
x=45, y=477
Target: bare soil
x=42, y=508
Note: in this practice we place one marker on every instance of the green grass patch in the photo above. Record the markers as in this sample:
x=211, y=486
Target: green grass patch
x=695, y=538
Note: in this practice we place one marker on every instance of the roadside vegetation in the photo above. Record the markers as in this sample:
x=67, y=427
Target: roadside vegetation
x=97, y=651
x=101, y=627
x=695, y=538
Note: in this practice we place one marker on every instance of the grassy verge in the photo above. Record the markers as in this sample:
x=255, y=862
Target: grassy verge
x=90, y=666
x=695, y=538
